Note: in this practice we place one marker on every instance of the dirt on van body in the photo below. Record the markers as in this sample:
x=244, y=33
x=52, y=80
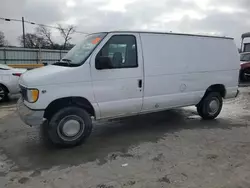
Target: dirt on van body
x=174, y=148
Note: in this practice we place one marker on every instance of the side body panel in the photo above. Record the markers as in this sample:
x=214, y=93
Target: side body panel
x=179, y=69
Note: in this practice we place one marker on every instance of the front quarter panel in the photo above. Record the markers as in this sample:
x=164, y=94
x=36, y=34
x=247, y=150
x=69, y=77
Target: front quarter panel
x=74, y=83
x=48, y=94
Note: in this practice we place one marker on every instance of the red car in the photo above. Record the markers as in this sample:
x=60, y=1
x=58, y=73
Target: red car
x=245, y=67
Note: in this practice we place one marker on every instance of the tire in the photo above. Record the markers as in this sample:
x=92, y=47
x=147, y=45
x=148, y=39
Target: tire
x=3, y=94
x=210, y=106
x=58, y=128
x=243, y=76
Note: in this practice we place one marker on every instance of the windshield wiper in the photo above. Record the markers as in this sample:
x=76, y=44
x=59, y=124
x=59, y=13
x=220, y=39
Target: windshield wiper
x=67, y=60
x=62, y=62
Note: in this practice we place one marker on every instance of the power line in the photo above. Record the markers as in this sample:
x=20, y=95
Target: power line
x=42, y=25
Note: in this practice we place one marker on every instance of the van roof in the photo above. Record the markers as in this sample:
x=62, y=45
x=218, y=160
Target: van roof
x=170, y=33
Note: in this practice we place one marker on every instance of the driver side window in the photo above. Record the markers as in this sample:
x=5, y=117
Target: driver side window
x=121, y=51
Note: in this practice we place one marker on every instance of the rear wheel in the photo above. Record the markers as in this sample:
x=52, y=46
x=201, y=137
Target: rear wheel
x=69, y=127
x=210, y=106
x=3, y=93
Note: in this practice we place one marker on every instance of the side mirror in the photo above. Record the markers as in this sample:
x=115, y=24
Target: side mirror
x=103, y=62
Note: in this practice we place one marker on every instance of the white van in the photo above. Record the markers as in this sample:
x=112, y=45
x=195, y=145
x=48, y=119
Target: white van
x=115, y=74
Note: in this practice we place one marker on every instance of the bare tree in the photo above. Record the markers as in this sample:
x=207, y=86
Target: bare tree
x=45, y=33
x=66, y=34
x=33, y=41
x=3, y=42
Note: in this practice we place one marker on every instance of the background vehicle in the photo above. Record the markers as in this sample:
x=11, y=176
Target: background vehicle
x=245, y=42
x=245, y=67
x=9, y=81
x=116, y=74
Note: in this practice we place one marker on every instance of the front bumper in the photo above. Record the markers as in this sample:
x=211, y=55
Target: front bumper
x=29, y=116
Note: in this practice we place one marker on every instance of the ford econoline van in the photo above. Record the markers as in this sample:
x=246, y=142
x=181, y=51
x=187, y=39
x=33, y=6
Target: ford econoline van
x=125, y=73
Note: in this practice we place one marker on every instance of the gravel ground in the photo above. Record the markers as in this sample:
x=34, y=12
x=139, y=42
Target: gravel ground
x=174, y=148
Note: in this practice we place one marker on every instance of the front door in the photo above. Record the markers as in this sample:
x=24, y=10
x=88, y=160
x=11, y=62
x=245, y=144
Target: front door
x=118, y=89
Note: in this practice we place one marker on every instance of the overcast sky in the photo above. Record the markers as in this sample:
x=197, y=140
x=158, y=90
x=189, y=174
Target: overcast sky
x=221, y=17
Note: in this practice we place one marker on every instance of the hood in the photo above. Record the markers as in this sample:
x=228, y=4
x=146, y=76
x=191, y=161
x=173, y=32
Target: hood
x=50, y=75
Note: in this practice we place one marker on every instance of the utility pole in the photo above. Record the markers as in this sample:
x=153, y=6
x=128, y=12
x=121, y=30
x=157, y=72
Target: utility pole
x=24, y=42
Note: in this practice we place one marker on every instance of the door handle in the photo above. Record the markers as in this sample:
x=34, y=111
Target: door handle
x=140, y=83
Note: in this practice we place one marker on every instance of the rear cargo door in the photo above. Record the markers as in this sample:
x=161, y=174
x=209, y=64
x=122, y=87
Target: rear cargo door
x=118, y=90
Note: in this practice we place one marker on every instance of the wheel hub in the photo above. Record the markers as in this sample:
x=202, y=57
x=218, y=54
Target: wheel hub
x=213, y=106
x=71, y=128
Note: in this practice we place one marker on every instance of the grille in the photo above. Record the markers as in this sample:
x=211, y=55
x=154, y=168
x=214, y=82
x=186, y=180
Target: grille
x=23, y=91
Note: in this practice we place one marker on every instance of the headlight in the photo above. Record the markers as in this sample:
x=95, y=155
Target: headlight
x=32, y=95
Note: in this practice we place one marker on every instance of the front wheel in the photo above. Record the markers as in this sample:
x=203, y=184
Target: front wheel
x=210, y=106
x=245, y=75
x=69, y=127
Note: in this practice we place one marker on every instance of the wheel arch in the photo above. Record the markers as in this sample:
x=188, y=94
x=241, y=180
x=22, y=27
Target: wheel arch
x=220, y=88
x=5, y=87
x=57, y=104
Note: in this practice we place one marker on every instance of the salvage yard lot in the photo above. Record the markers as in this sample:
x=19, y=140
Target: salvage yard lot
x=173, y=148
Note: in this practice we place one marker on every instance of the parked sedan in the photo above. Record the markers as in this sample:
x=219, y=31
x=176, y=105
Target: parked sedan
x=245, y=67
x=9, y=81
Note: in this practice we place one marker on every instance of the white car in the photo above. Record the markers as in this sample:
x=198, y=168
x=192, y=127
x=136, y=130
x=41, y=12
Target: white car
x=9, y=81
x=115, y=74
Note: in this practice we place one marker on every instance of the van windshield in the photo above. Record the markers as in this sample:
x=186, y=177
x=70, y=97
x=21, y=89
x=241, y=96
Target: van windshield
x=81, y=51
